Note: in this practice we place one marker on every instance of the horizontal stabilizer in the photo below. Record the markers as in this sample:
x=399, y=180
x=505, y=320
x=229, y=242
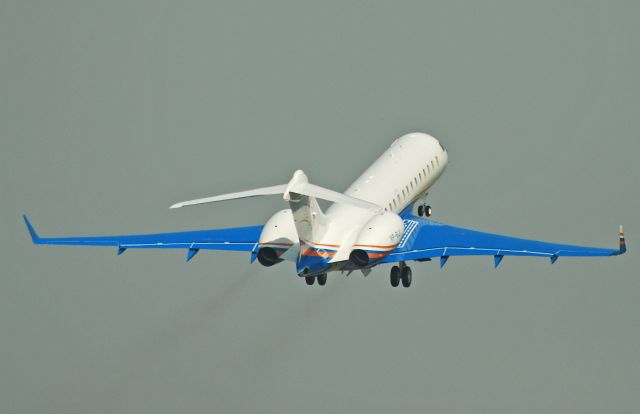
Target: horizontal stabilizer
x=298, y=184
x=276, y=189
x=333, y=196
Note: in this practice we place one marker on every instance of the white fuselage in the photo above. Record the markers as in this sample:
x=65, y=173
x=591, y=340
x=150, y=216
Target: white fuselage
x=399, y=177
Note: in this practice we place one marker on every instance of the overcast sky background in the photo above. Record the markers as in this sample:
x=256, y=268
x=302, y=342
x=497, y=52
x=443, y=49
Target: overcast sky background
x=112, y=111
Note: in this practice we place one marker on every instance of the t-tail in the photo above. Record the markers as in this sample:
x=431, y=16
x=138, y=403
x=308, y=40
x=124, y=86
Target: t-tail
x=308, y=218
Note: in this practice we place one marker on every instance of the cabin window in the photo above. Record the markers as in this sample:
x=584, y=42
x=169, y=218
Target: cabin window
x=416, y=180
x=429, y=169
x=408, y=191
x=398, y=198
x=432, y=164
x=437, y=160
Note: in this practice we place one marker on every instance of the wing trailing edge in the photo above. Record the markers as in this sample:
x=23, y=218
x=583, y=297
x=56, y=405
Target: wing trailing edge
x=426, y=239
x=229, y=239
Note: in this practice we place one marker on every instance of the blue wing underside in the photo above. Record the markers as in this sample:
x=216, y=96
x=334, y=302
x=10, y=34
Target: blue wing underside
x=422, y=240
x=426, y=239
x=234, y=239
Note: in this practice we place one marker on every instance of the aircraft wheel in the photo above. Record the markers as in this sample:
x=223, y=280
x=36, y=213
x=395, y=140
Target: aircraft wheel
x=420, y=210
x=405, y=275
x=394, y=276
x=322, y=279
x=427, y=211
x=309, y=280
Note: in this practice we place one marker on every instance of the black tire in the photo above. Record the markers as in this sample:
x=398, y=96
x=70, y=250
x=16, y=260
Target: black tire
x=310, y=280
x=420, y=210
x=405, y=275
x=394, y=276
x=322, y=279
x=427, y=211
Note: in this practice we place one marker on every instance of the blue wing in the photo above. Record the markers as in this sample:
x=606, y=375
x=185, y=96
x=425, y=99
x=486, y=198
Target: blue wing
x=425, y=239
x=236, y=239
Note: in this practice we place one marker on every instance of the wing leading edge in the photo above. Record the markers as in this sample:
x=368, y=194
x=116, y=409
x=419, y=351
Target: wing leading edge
x=425, y=239
x=233, y=239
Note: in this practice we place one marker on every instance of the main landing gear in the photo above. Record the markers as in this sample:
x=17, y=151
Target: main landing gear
x=400, y=273
x=424, y=210
x=322, y=279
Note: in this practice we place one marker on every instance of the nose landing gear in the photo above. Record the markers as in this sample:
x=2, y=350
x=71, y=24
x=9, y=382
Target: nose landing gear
x=400, y=273
x=321, y=278
x=424, y=210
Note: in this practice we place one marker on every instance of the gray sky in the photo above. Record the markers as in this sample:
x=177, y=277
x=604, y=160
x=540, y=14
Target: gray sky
x=112, y=111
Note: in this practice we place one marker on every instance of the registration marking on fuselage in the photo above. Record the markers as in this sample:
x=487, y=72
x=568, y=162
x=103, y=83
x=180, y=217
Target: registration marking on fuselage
x=409, y=226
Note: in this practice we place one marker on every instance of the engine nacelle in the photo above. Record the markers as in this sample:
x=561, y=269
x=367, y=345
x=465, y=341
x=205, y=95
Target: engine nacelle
x=267, y=256
x=278, y=235
x=377, y=239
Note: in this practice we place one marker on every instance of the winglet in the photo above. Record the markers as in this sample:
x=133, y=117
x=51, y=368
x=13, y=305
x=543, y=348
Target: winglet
x=623, y=243
x=34, y=235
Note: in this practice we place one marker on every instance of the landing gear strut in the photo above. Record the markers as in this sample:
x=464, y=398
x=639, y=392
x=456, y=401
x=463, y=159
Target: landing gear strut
x=400, y=273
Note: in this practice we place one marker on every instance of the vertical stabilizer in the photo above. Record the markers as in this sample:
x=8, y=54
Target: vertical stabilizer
x=307, y=215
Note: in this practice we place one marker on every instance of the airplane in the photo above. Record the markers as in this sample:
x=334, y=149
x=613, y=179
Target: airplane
x=382, y=218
